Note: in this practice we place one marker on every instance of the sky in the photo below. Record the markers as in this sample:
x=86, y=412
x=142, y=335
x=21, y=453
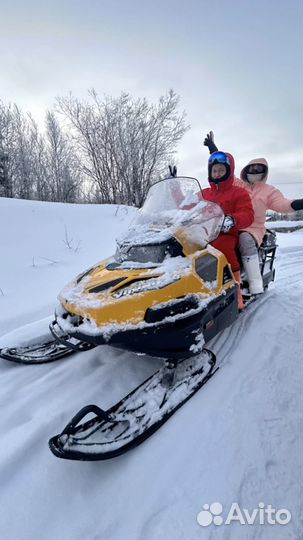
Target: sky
x=236, y=65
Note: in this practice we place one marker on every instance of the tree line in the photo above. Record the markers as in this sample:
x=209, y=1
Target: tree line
x=100, y=149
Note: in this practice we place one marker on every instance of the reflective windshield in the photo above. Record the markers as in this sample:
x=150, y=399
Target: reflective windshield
x=170, y=194
x=173, y=203
x=172, y=207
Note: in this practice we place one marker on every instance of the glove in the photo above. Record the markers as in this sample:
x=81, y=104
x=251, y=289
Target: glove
x=227, y=224
x=209, y=141
x=297, y=204
x=172, y=171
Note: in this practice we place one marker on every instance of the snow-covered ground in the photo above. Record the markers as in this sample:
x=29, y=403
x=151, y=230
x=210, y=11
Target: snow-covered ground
x=238, y=440
x=284, y=224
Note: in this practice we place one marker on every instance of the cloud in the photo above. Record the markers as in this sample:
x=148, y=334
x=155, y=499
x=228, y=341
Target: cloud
x=237, y=68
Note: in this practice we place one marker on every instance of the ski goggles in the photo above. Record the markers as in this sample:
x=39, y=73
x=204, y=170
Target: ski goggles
x=219, y=157
x=256, y=168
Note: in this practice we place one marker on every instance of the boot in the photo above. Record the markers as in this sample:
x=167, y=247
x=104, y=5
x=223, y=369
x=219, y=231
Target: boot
x=252, y=270
x=237, y=277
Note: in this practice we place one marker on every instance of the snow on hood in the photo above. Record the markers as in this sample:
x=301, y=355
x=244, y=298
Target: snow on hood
x=74, y=293
x=173, y=265
x=89, y=327
x=171, y=269
x=262, y=161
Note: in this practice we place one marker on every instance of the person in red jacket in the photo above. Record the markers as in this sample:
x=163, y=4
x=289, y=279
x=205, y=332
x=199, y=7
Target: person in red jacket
x=236, y=204
x=264, y=197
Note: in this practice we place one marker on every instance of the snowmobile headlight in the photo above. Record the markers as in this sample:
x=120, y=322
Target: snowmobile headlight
x=146, y=285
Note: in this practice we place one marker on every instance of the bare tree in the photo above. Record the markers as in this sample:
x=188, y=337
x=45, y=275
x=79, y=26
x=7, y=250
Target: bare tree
x=6, y=130
x=22, y=169
x=18, y=133
x=107, y=150
x=39, y=163
x=35, y=165
x=124, y=144
x=63, y=168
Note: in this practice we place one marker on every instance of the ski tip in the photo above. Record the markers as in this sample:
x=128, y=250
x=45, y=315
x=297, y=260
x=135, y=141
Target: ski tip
x=40, y=353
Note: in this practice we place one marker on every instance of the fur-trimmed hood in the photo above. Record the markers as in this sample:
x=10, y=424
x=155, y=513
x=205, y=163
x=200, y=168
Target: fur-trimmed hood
x=262, y=161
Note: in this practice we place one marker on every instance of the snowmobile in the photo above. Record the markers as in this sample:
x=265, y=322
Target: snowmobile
x=165, y=293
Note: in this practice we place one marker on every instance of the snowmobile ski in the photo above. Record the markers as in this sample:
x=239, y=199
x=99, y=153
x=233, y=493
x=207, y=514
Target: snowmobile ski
x=137, y=416
x=40, y=353
x=47, y=351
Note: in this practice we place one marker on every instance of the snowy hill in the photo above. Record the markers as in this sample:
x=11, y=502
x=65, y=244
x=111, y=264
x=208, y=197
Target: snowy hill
x=237, y=440
x=43, y=245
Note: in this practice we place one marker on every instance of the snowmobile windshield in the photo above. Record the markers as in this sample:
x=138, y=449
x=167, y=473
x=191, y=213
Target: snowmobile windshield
x=174, y=210
x=177, y=202
x=168, y=196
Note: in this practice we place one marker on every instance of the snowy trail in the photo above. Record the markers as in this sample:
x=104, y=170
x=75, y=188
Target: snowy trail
x=251, y=478
x=238, y=439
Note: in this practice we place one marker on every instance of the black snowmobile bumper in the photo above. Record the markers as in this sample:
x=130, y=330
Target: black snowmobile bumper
x=71, y=342
x=169, y=337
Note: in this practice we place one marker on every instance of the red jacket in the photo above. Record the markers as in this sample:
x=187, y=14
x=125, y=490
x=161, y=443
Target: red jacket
x=234, y=200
